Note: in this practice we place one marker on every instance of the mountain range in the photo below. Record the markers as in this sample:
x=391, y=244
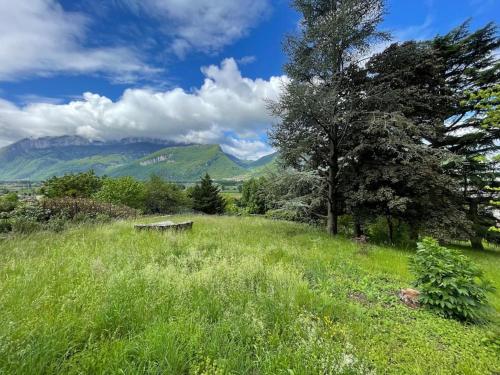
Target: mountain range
x=41, y=158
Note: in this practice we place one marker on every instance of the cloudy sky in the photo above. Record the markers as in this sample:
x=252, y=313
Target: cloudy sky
x=186, y=70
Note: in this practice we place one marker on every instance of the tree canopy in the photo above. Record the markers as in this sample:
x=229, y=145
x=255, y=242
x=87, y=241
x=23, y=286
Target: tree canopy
x=410, y=134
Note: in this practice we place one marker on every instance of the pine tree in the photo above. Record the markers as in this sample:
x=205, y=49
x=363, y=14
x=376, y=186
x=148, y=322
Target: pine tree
x=481, y=171
x=318, y=109
x=441, y=85
x=394, y=175
x=395, y=172
x=471, y=73
x=207, y=198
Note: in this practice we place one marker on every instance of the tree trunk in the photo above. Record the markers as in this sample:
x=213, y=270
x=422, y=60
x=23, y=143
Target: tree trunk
x=359, y=230
x=475, y=238
x=332, y=224
x=390, y=227
x=476, y=243
x=413, y=232
x=358, y=227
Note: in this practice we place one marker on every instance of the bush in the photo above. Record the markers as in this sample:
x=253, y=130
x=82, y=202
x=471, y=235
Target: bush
x=449, y=283
x=253, y=196
x=232, y=205
x=25, y=225
x=28, y=218
x=31, y=212
x=57, y=223
x=162, y=197
x=123, y=190
x=378, y=231
x=90, y=208
x=346, y=225
x=5, y=225
x=80, y=185
x=8, y=202
x=282, y=214
x=55, y=214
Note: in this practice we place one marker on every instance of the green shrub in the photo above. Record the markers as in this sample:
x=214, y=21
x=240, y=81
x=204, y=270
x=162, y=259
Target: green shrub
x=57, y=223
x=31, y=212
x=449, y=282
x=25, y=225
x=253, y=196
x=80, y=185
x=8, y=202
x=162, y=197
x=123, y=190
x=232, y=206
x=282, y=214
x=5, y=225
x=28, y=218
x=378, y=231
x=73, y=207
x=346, y=225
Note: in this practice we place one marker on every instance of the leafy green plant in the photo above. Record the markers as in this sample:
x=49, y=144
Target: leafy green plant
x=28, y=218
x=25, y=225
x=73, y=207
x=8, y=202
x=57, y=223
x=253, y=196
x=122, y=190
x=163, y=197
x=449, y=282
x=80, y=185
x=282, y=214
x=5, y=225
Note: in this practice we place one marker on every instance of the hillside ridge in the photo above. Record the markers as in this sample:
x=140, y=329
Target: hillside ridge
x=41, y=158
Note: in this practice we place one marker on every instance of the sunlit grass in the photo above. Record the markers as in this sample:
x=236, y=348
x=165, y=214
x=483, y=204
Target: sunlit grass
x=234, y=295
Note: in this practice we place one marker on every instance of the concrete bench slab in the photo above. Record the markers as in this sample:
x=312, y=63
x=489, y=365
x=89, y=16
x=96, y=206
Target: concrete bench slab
x=165, y=225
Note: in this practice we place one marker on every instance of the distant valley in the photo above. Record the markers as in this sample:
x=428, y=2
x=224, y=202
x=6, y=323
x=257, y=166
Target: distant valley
x=39, y=159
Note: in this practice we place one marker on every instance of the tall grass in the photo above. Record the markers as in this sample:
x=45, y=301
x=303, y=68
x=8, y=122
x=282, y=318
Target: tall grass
x=234, y=295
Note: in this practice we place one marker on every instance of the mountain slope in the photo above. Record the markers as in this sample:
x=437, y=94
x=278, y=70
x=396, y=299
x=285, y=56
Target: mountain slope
x=39, y=159
x=186, y=163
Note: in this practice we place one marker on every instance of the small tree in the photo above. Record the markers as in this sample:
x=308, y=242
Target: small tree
x=162, y=197
x=207, y=198
x=123, y=190
x=8, y=202
x=252, y=196
x=80, y=185
x=321, y=102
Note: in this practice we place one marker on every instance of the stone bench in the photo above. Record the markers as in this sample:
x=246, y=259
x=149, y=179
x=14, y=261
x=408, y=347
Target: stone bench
x=165, y=225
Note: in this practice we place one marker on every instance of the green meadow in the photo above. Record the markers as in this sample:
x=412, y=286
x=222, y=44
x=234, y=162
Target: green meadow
x=232, y=296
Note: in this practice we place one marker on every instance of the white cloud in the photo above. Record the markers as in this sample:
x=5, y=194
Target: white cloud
x=37, y=37
x=422, y=31
x=225, y=103
x=246, y=149
x=203, y=25
x=245, y=60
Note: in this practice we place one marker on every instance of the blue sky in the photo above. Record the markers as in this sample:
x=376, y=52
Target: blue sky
x=197, y=71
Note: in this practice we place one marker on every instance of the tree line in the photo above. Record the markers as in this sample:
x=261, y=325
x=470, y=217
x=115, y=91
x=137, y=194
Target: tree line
x=153, y=196
x=85, y=197
x=409, y=134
